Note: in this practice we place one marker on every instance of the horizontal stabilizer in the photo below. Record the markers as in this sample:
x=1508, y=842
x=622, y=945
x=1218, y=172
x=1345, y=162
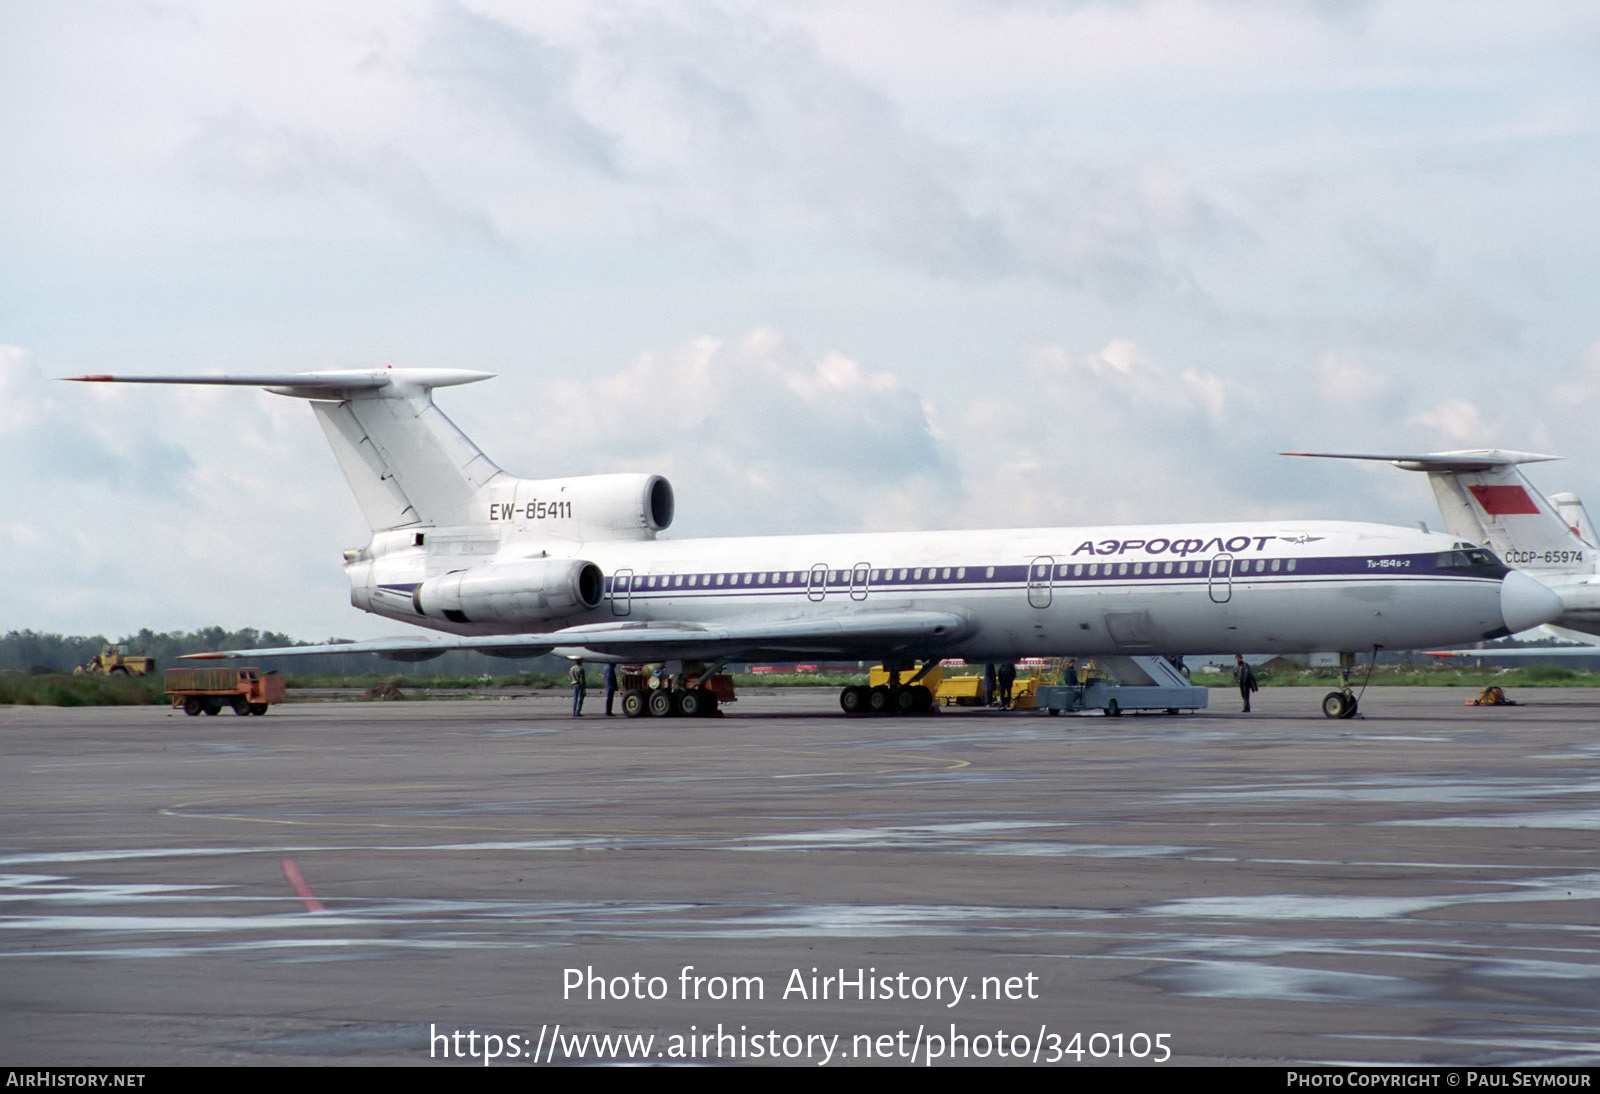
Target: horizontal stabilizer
x=309, y=385
x=1475, y=459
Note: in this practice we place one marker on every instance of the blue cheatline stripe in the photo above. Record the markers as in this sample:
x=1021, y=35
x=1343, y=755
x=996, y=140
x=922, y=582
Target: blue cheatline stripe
x=1056, y=574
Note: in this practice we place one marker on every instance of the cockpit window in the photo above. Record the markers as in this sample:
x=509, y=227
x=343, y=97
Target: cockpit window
x=1477, y=561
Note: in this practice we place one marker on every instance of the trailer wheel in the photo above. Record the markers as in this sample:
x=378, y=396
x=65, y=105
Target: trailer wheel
x=213, y=706
x=853, y=700
x=241, y=705
x=192, y=706
x=258, y=708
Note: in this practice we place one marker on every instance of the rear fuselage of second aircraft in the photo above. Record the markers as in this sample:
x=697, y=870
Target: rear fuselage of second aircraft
x=1257, y=587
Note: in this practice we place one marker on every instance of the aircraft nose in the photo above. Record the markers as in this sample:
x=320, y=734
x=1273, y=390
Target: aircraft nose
x=1525, y=603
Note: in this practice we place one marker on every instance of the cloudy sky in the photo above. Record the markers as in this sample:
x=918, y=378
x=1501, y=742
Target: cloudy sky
x=826, y=264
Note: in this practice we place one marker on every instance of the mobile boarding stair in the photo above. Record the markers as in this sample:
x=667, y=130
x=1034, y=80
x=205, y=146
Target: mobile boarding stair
x=1116, y=684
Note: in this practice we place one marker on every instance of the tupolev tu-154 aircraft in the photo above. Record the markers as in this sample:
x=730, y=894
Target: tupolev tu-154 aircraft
x=524, y=566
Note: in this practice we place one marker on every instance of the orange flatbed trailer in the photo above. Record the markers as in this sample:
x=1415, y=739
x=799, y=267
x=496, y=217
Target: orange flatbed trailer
x=206, y=691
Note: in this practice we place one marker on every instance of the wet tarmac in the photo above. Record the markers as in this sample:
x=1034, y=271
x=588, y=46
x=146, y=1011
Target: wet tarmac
x=348, y=883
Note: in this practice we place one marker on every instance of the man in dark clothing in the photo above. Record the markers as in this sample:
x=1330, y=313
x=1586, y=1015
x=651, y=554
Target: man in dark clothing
x=1245, y=679
x=1007, y=676
x=610, y=678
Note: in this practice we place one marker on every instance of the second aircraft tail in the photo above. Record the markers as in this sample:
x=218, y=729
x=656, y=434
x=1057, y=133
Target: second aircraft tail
x=1484, y=497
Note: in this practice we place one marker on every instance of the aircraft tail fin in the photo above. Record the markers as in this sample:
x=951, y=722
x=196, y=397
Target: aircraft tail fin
x=1484, y=497
x=405, y=461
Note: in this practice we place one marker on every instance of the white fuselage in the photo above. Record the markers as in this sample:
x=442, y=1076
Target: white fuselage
x=1257, y=587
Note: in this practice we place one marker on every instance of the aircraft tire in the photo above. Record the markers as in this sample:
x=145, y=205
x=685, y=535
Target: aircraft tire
x=905, y=701
x=1350, y=708
x=1333, y=705
x=696, y=703
x=633, y=704
x=853, y=699
x=922, y=700
x=879, y=701
x=661, y=703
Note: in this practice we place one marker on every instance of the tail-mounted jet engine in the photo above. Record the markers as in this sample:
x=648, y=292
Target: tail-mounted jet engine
x=528, y=592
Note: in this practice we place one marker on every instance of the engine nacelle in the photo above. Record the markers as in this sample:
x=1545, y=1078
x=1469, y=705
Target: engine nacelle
x=586, y=507
x=524, y=593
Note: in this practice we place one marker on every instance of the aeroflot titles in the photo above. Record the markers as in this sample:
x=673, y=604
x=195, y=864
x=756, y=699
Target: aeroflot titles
x=1179, y=547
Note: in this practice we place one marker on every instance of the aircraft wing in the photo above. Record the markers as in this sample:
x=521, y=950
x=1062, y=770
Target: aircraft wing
x=865, y=635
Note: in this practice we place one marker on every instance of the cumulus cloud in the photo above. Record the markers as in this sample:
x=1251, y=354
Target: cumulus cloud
x=1344, y=378
x=1458, y=421
x=321, y=179
x=758, y=435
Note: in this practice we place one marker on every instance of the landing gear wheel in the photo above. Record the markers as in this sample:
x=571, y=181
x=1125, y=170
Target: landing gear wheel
x=905, y=701
x=853, y=700
x=192, y=706
x=1338, y=704
x=879, y=701
x=634, y=704
x=921, y=699
x=697, y=703
x=1349, y=708
x=660, y=703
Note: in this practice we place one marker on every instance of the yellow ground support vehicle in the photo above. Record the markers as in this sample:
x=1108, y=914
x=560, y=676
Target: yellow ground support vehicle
x=115, y=660
x=207, y=691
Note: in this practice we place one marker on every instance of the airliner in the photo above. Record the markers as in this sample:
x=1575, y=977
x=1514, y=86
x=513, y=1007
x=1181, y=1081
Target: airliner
x=1485, y=498
x=519, y=567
